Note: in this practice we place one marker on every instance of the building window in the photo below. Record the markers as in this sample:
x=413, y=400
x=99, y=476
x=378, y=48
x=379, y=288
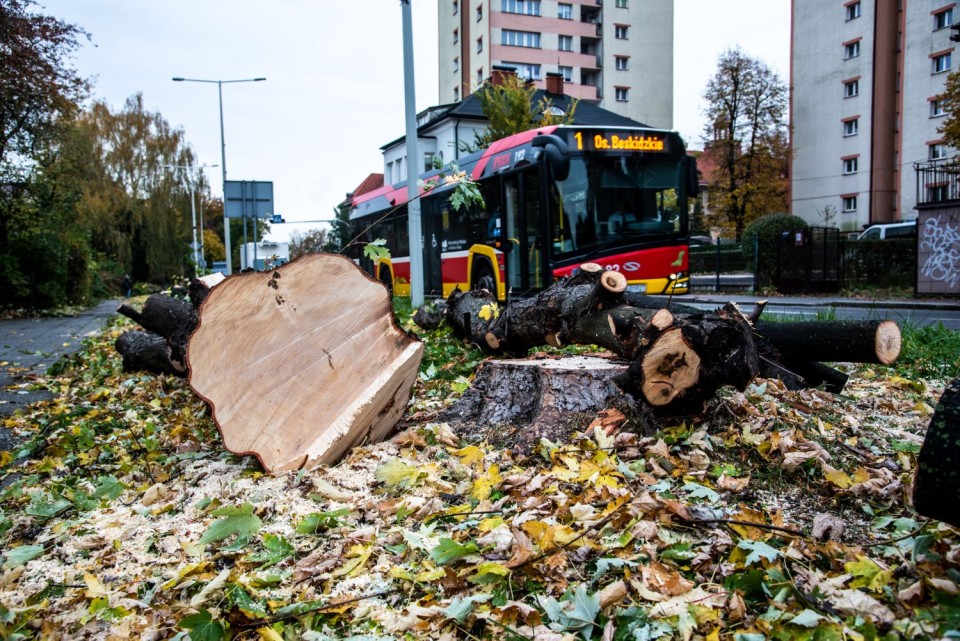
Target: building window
x=456, y=65
x=565, y=43
x=620, y=31
x=853, y=10
x=567, y=73
x=936, y=151
x=479, y=44
x=456, y=94
x=456, y=7
x=851, y=127
x=479, y=12
x=565, y=11
x=622, y=94
x=943, y=19
x=525, y=7
x=621, y=62
x=850, y=165
x=849, y=203
x=456, y=36
x=942, y=62
x=937, y=108
x=480, y=76
x=621, y=4
x=851, y=50
x=937, y=193
x=851, y=88
x=525, y=70
x=520, y=38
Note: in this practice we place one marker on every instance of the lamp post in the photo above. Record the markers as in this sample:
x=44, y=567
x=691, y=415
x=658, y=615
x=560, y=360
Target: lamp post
x=223, y=155
x=193, y=212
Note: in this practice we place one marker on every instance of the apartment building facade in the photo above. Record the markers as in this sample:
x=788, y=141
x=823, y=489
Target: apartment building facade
x=866, y=79
x=615, y=53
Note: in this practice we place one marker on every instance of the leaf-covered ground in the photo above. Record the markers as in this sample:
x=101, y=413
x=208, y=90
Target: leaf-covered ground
x=781, y=515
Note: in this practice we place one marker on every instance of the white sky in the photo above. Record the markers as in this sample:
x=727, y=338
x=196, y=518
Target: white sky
x=334, y=89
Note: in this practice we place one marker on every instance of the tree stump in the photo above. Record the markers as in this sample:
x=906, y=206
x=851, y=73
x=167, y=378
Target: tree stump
x=301, y=363
x=516, y=402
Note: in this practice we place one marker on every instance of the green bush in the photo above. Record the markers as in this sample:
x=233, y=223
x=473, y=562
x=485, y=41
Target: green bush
x=764, y=234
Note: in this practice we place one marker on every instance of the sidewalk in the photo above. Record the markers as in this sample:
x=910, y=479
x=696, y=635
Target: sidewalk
x=28, y=346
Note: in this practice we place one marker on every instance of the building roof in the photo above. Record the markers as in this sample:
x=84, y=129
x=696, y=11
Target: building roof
x=586, y=114
x=371, y=182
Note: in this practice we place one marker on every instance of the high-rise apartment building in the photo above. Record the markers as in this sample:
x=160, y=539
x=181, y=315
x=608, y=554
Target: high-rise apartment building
x=617, y=53
x=867, y=76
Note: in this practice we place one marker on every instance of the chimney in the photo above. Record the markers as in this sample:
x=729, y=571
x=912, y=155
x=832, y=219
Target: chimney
x=499, y=74
x=555, y=83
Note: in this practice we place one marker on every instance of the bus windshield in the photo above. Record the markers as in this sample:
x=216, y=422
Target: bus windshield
x=616, y=200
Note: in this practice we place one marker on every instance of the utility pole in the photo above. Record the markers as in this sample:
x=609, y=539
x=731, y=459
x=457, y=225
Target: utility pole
x=414, y=225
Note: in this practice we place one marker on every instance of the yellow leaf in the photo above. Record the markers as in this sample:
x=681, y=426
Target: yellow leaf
x=359, y=554
x=487, y=525
x=269, y=634
x=429, y=576
x=483, y=486
x=95, y=589
x=837, y=477
x=5, y=458
x=470, y=454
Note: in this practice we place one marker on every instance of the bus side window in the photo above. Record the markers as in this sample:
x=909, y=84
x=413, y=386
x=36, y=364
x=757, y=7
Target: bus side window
x=489, y=231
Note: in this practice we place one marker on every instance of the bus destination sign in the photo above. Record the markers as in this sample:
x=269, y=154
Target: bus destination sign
x=623, y=141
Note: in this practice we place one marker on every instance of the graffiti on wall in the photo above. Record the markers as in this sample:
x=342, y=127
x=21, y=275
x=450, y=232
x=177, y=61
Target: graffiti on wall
x=940, y=250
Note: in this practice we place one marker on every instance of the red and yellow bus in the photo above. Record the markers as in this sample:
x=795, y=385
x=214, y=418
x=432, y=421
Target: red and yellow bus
x=555, y=197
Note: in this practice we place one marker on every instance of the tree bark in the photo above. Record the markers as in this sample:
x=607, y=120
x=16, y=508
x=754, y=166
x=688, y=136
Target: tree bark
x=936, y=488
x=870, y=341
x=301, y=363
x=146, y=351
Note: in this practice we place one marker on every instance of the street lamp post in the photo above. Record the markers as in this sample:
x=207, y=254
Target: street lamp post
x=193, y=212
x=223, y=155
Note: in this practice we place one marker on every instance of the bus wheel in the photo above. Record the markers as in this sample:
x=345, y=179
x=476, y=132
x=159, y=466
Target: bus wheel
x=483, y=277
x=386, y=280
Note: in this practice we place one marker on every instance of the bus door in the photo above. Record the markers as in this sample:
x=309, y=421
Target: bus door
x=431, y=212
x=523, y=233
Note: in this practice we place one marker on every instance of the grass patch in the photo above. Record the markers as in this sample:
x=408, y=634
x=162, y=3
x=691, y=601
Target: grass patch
x=932, y=351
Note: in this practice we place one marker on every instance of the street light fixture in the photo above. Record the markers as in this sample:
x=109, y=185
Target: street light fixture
x=223, y=154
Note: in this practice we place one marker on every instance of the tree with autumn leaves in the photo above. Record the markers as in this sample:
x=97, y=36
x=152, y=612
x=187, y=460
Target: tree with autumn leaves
x=747, y=140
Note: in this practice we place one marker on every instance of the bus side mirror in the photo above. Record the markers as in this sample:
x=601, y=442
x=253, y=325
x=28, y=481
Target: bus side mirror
x=693, y=178
x=558, y=155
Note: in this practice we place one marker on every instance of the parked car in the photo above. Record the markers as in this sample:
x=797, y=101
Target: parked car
x=884, y=231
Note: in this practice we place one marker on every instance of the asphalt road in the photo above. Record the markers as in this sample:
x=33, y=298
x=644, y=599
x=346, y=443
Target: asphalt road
x=29, y=346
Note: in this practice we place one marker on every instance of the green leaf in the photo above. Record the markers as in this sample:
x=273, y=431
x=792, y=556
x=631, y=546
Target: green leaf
x=396, y=474
x=697, y=491
x=449, y=550
x=203, y=627
x=20, y=555
x=459, y=608
x=679, y=552
x=376, y=249
x=807, y=618
x=108, y=487
x=241, y=599
x=237, y=520
x=302, y=607
x=316, y=521
x=758, y=551
x=604, y=566
x=276, y=550
x=45, y=506
x=575, y=611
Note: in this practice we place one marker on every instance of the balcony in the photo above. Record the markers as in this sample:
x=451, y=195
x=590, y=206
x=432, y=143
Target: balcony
x=938, y=182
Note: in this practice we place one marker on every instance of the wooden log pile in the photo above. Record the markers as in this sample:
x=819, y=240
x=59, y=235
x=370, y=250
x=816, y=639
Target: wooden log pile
x=677, y=356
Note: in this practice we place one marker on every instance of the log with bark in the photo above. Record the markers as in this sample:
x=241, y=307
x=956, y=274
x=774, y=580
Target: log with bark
x=677, y=356
x=936, y=488
x=301, y=363
x=168, y=320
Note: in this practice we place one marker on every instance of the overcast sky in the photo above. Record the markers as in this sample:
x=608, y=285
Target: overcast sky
x=334, y=88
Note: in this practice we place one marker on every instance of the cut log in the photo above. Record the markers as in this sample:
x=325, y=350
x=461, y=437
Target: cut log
x=936, y=488
x=301, y=363
x=200, y=287
x=146, y=351
x=870, y=341
x=514, y=403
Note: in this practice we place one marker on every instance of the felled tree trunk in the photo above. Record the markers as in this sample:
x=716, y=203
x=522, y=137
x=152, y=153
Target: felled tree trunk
x=936, y=488
x=676, y=361
x=301, y=363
